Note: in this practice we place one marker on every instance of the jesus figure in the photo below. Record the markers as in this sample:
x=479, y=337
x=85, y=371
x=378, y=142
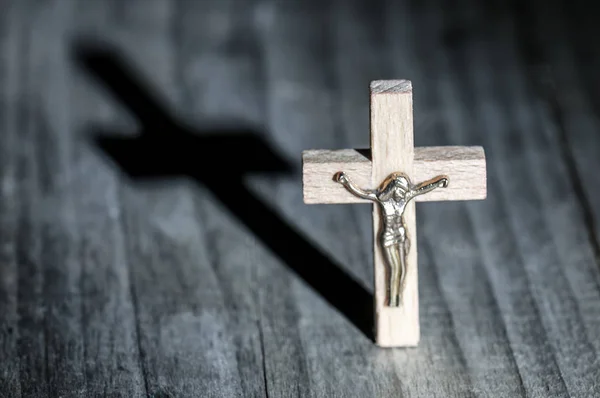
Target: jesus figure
x=393, y=195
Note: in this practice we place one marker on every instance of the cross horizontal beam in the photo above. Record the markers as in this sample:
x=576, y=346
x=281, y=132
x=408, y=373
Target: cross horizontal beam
x=465, y=167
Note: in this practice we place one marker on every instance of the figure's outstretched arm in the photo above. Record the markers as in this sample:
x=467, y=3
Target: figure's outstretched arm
x=343, y=179
x=429, y=185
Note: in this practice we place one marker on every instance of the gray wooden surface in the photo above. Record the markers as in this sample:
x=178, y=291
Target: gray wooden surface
x=153, y=239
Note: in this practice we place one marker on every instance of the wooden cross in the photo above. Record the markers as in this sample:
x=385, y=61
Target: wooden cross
x=392, y=150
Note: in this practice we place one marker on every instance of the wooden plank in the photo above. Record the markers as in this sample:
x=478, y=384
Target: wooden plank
x=570, y=214
x=575, y=123
x=10, y=39
x=515, y=323
x=317, y=338
x=578, y=292
x=294, y=316
x=198, y=322
x=465, y=167
x=484, y=357
x=31, y=341
x=575, y=109
x=572, y=101
x=112, y=361
x=23, y=338
x=161, y=225
x=209, y=77
x=519, y=142
x=51, y=345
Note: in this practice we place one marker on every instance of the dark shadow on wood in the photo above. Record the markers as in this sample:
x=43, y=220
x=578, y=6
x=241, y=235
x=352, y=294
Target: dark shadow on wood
x=218, y=157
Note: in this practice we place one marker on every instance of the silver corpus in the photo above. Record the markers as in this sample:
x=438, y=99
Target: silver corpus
x=392, y=195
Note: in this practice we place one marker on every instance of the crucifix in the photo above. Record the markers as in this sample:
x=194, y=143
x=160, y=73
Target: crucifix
x=393, y=176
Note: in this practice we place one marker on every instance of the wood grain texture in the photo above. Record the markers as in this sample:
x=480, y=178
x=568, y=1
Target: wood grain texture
x=519, y=194
x=10, y=371
x=485, y=266
x=205, y=322
x=110, y=319
x=116, y=285
x=465, y=167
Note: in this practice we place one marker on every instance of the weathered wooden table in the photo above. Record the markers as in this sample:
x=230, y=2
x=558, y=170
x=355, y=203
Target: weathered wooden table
x=153, y=239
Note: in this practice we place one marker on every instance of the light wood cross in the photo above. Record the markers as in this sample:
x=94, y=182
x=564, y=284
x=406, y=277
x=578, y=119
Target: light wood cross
x=392, y=150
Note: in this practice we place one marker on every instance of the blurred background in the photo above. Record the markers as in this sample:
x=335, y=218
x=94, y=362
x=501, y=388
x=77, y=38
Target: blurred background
x=153, y=239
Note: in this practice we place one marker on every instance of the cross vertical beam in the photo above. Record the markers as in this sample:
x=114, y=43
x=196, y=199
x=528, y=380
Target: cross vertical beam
x=392, y=150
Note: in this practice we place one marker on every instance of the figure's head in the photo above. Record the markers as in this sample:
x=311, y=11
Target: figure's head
x=396, y=185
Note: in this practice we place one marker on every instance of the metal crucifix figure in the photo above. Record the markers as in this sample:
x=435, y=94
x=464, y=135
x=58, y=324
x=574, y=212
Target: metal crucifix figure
x=393, y=195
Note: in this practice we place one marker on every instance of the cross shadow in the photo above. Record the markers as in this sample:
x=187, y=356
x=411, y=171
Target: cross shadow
x=218, y=157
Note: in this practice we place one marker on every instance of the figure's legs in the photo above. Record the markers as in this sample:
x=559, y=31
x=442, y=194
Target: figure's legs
x=394, y=257
x=403, y=256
